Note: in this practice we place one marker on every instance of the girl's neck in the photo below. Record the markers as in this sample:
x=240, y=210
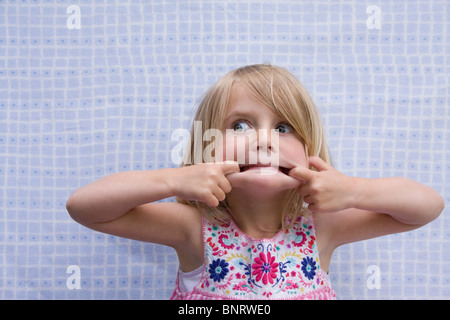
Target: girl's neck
x=258, y=218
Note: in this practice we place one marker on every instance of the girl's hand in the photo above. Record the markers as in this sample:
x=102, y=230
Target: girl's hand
x=325, y=190
x=204, y=182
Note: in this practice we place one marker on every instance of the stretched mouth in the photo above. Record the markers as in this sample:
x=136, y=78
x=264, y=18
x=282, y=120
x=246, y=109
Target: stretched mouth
x=247, y=167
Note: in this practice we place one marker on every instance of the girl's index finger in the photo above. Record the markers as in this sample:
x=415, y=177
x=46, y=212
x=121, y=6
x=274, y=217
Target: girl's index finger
x=318, y=163
x=229, y=167
x=301, y=173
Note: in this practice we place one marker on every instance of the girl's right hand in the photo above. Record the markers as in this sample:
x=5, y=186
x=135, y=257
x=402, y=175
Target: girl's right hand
x=204, y=182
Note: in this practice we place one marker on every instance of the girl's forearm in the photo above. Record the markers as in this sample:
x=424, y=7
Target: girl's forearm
x=113, y=196
x=405, y=200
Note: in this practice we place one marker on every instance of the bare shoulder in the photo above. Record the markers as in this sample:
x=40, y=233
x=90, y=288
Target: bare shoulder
x=184, y=234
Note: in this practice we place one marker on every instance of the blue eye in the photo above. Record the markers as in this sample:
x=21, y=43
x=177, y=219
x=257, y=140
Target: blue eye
x=240, y=126
x=284, y=128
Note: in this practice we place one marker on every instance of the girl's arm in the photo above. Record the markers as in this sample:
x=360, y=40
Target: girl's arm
x=405, y=200
x=352, y=209
x=124, y=204
x=111, y=197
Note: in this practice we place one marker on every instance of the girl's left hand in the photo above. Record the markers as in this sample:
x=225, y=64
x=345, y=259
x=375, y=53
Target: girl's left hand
x=325, y=190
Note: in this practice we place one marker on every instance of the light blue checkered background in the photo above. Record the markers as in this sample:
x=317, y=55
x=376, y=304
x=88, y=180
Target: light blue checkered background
x=79, y=104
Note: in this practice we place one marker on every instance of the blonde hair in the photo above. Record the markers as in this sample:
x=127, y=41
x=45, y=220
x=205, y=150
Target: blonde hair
x=283, y=93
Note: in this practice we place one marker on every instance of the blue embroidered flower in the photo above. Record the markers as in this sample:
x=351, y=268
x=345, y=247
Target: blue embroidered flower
x=218, y=270
x=309, y=268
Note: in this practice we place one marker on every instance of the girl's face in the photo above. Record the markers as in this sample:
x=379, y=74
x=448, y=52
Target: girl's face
x=264, y=144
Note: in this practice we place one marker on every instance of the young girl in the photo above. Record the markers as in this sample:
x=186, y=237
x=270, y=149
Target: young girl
x=244, y=228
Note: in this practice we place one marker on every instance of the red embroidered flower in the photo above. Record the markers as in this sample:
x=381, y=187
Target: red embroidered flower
x=223, y=240
x=311, y=242
x=265, y=268
x=214, y=248
x=300, y=239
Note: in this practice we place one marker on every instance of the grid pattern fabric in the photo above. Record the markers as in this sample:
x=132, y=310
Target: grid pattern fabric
x=91, y=88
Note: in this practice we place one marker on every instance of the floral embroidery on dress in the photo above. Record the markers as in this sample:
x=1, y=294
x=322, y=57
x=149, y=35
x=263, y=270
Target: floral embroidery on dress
x=239, y=267
x=265, y=268
x=218, y=270
x=309, y=268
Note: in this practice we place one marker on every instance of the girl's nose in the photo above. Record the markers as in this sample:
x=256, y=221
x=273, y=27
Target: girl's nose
x=267, y=147
x=267, y=140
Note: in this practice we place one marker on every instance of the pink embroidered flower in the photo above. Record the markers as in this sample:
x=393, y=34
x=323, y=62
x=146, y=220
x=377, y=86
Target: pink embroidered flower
x=290, y=285
x=265, y=268
x=241, y=286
